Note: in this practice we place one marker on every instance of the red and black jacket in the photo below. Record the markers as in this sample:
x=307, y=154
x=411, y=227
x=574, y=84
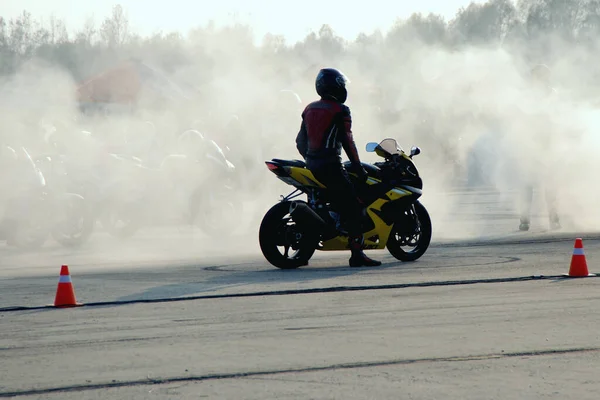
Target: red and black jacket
x=326, y=129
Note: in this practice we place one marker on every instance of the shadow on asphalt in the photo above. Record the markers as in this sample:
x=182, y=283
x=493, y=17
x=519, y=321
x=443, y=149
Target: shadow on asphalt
x=266, y=278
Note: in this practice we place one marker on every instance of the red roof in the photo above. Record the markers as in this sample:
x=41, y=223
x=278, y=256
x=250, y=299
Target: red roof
x=117, y=85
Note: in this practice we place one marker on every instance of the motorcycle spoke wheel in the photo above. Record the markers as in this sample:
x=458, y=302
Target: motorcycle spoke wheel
x=290, y=239
x=282, y=244
x=410, y=238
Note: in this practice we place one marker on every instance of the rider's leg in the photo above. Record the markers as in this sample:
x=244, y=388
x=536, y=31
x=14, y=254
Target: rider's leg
x=343, y=196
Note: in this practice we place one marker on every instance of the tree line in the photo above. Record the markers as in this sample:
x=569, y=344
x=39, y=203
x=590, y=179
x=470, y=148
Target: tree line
x=539, y=31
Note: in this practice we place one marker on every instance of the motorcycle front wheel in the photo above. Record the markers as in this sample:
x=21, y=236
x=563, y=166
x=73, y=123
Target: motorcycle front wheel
x=217, y=211
x=278, y=230
x=75, y=222
x=122, y=220
x=413, y=232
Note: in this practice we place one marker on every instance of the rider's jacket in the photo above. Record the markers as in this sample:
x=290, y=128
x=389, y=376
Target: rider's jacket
x=326, y=129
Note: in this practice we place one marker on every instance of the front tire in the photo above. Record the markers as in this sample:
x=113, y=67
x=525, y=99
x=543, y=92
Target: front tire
x=414, y=230
x=75, y=224
x=277, y=229
x=216, y=213
x=121, y=219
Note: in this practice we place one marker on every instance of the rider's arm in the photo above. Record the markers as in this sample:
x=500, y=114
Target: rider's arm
x=302, y=141
x=348, y=139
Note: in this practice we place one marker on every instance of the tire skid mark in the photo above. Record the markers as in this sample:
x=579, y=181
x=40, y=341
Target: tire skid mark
x=331, y=289
x=82, y=343
x=276, y=372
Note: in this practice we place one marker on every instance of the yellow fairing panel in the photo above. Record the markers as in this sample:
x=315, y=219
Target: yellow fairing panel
x=397, y=193
x=304, y=177
x=381, y=230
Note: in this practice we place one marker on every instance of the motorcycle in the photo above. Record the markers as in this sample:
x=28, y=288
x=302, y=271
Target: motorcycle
x=189, y=196
x=394, y=217
x=79, y=194
x=214, y=207
x=34, y=211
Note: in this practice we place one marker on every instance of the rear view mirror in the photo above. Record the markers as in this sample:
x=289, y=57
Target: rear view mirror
x=415, y=151
x=371, y=146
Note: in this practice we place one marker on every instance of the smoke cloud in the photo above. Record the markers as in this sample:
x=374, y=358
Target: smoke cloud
x=462, y=90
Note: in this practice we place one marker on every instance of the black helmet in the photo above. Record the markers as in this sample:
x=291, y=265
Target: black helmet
x=331, y=84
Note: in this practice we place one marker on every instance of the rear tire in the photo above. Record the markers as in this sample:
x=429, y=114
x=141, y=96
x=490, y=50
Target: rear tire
x=277, y=229
x=28, y=232
x=417, y=237
x=29, y=236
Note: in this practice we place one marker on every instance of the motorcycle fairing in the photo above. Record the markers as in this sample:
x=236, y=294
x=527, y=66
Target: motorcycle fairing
x=377, y=196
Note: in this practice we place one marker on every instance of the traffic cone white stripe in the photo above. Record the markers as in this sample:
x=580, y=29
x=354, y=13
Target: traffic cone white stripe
x=64, y=279
x=578, y=252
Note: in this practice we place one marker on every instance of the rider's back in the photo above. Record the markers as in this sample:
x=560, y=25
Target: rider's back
x=321, y=136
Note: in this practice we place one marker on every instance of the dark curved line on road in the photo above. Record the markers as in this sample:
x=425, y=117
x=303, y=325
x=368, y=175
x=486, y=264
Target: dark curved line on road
x=403, y=266
x=251, y=374
x=332, y=289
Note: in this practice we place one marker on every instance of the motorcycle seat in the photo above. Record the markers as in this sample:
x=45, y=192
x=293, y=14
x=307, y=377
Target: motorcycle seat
x=290, y=163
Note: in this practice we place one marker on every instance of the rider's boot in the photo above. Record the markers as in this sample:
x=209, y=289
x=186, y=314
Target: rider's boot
x=359, y=258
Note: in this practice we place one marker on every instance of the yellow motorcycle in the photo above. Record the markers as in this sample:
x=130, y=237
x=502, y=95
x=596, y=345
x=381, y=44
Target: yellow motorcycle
x=292, y=230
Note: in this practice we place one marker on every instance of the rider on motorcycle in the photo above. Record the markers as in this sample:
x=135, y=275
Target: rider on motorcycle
x=326, y=128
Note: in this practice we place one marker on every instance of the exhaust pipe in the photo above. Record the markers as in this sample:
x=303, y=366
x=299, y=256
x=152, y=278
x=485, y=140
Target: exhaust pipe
x=306, y=218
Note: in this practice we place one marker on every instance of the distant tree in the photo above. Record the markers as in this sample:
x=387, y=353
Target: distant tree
x=115, y=29
x=88, y=33
x=274, y=43
x=330, y=43
x=486, y=23
x=429, y=30
x=21, y=33
x=588, y=28
x=559, y=17
x=561, y=33
x=7, y=57
x=367, y=49
x=4, y=35
x=324, y=45
x=57, y=31
x=165, y=51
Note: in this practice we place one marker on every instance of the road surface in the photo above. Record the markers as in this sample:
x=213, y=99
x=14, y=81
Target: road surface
x=171, y=315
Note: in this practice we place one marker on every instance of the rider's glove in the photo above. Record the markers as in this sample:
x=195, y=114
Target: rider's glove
x=360, y=172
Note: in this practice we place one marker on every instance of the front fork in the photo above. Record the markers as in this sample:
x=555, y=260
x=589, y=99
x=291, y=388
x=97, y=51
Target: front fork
x=409, y=224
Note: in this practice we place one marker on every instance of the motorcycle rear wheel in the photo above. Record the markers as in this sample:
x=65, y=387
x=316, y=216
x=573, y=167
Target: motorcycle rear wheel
x=417, y=237
x=278, y=230
x=29, y=236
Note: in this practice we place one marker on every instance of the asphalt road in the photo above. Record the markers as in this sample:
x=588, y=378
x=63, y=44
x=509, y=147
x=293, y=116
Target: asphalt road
x=173, y=315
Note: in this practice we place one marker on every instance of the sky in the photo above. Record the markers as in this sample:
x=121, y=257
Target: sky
x=292, y=19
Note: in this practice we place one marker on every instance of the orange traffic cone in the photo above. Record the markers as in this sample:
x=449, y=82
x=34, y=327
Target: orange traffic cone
x=578, y=266
x=65, y=293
